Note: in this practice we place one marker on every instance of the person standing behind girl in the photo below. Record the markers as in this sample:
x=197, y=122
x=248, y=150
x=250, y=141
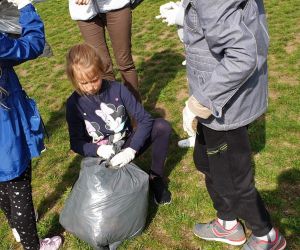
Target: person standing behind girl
x=94, y=18
x=97, y=114
x=16, y=147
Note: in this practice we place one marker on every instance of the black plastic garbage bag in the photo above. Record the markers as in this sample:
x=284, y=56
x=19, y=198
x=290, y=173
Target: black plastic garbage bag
x=9, y=23
x=106, y=205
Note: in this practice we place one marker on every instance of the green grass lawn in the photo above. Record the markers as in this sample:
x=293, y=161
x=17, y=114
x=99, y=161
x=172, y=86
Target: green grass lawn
x=158, y=54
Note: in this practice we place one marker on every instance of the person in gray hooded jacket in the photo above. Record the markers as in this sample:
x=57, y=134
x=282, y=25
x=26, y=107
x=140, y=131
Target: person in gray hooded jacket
x=226, y=45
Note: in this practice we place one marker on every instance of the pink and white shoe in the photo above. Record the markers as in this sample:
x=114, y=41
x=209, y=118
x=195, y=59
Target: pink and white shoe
x=50, y=243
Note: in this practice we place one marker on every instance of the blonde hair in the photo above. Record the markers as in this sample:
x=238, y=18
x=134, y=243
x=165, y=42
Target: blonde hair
x=82, y=61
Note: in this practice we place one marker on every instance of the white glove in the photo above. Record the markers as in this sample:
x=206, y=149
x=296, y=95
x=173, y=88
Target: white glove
x=122, y=158
x=169, y=12
x=105, y=151
x=19, y=3
x=168, y=6
x=188, y=116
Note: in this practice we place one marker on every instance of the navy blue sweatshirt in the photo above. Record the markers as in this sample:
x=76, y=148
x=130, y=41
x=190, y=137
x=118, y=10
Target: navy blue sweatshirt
x=103, y=118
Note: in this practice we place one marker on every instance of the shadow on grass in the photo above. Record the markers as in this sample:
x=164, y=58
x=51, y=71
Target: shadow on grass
x=68, y=179
x=56, y=121
x=257, y=137
x=257, y=134
x=284, y=206
x=156, y=73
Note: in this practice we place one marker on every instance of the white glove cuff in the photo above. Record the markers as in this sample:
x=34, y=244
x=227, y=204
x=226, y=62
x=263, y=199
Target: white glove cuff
x=130, y=151
x=179, y=18
x=23, y=3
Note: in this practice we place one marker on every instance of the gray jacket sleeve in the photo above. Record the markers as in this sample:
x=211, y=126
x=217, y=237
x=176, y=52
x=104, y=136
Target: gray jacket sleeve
x=229, y=38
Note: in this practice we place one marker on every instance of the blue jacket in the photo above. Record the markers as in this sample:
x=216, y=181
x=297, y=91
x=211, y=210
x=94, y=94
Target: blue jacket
x=15, y=153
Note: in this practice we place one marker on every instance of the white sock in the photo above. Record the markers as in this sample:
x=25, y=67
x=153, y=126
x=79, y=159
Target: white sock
x=16, y=235
x=270, y=236
x=227, y=224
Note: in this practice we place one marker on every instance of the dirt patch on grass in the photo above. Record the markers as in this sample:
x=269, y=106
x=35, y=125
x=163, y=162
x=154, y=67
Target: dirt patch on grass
x=293, y=45
x=274, y=95
x=22, y=72
x=283, y=77
x=182, y=94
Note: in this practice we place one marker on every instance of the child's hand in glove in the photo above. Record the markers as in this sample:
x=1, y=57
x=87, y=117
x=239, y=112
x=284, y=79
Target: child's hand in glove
x=122, y=158
x=105, y=151
x=19, y=3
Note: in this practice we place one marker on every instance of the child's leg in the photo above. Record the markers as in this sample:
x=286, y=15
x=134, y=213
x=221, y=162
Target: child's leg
x=159, y=140
x=160, y=137
x=22, y=210
x=229, y=156
x=160, y=143
x=224, y=210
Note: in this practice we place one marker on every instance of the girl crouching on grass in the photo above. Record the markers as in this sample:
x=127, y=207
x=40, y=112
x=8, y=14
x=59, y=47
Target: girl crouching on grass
x=98, y=115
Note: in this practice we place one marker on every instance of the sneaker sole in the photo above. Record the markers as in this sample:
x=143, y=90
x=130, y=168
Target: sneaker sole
x=230, y=242
x=281, y=247
x=273, y=248
x=165, y=203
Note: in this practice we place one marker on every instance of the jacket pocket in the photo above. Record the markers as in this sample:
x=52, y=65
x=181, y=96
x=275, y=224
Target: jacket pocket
x=33, y=126
x=255, y=20
x=33, y=116
x=191, y=17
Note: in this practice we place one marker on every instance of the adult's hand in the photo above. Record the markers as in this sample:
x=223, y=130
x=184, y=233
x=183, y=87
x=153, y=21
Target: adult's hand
x=19, y=3
x=82, y=2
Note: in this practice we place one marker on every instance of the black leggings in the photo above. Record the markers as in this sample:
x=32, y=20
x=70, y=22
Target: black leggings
x=159, y=139
x=16, y=203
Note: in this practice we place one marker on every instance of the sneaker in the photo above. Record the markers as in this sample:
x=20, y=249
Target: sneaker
x=162, y=195
x=50, y=243
x=253, y=243
x=214, y=231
